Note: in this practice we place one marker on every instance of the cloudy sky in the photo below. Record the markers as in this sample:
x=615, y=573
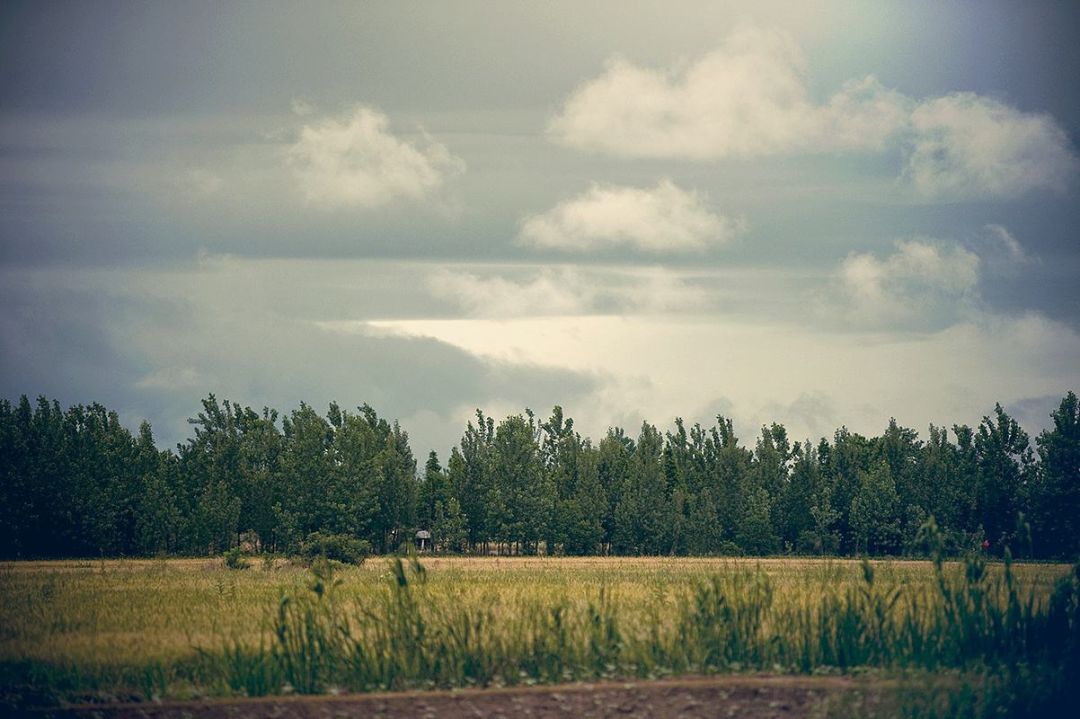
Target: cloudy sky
x=817, y=213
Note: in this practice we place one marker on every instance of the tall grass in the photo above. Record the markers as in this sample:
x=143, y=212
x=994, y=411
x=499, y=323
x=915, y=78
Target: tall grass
x=1005, y=644
x=979, y=638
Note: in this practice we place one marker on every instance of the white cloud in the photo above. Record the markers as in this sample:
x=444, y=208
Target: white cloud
x=863, y=115
x=748, y=97
x=565, y=291
x=1005, y=244
x=968, y=146
x=358, y=162
x=657, y=290
x=550, y=292
x=661, y=219
x=921, y=281
x=655, y=368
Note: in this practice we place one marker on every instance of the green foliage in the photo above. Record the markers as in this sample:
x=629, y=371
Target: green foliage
x=971, y=621
x=755, y=533
x=1056, y=495
x=473, y=479
x=525, y=493
x=580, y=499
x=727, y=548
x=216, y=521
x=645, y=515
x=1003, y=463
x=78, y=483
x=434, y=490
x=338, y=547
x=450, y=530
x=234, y=559
x=875, y=512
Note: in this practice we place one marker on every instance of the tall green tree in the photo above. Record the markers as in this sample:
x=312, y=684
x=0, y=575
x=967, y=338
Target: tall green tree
x=729, y=475
x=792, y=510
x=848, y=459
x=875, y=512
x=395, y=490
x=372, y=493
x=311, y=488
x=772, y=457
x=160, y=524
x=258, y=483
x=572, y=466
x=616, y=453
x=210, y=471
x=1056, y=501
x=435, y=489
x=586, y=505
x=754, y=533
x=450, y=530
x=1004, y=461
x=472, y=476
x=948, y=485
x=526, y=495
x=77, y=482
x=644, y=518
x=358, y=441
x=900, y=448
x=716, y=472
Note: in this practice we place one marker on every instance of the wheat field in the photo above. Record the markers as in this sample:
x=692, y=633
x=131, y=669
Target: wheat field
x=138, y=629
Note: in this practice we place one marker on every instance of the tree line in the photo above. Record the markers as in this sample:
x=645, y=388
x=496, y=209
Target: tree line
x=76, y=482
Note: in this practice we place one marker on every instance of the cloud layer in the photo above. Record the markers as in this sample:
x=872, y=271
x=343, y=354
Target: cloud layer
x=358, y=162
x=921, y=281
x=665, y=218
x=249, y=223
x=566, y=291
x=969, y=146
x=551, y=292
x=1004, y=247
x=750, y=97
x=763, y=371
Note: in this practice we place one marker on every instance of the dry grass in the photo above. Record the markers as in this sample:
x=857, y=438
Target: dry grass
x=130, y=612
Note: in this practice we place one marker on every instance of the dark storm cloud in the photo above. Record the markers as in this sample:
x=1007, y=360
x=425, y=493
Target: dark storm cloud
x=154, y=358
x=64, y=343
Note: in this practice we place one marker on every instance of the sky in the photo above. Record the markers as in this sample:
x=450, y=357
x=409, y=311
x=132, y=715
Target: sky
x=819, y=214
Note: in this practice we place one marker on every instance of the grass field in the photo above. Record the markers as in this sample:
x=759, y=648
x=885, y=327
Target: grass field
x=192, y=627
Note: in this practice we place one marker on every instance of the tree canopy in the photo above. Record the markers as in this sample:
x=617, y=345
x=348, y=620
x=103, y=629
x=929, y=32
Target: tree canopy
x=76, y=482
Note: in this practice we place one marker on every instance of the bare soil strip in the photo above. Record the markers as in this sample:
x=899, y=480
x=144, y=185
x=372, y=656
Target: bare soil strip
x=736, y=697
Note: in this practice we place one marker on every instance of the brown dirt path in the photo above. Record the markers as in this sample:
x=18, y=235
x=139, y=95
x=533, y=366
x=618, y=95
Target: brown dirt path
x=734, y=697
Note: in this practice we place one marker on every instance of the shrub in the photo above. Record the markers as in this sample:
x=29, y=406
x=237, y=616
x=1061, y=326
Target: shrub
x=340, y=547
x=234, y=559
x=728, y=548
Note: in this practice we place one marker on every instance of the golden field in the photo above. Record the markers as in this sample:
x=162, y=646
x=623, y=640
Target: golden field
x=131, y=612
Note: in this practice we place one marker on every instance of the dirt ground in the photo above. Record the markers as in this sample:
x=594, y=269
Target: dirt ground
x=735, y=697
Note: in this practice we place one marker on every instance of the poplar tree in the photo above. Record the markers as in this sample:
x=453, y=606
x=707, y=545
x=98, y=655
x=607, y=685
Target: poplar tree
x=1057, y=497
x=1003, y=463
